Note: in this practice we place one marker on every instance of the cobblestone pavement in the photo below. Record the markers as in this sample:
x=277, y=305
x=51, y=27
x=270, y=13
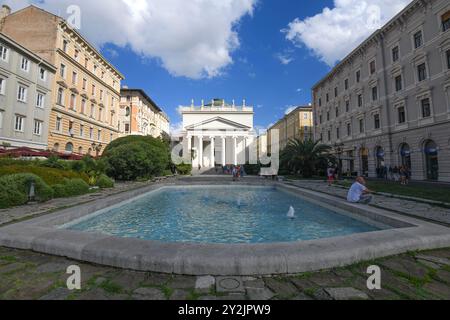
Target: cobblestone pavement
x=409, y=207
x=31, y=210
x=29, y=275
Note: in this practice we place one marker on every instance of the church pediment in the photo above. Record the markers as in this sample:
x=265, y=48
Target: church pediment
x=217, y=123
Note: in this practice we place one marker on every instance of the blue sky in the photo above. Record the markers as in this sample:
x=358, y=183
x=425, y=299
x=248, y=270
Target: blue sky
x=269, y=52
x=256, y=74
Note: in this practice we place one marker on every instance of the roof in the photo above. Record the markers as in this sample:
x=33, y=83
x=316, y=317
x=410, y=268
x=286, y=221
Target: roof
x=17, y=46
x=373, y=36
x=76, y=32
x=124, y=91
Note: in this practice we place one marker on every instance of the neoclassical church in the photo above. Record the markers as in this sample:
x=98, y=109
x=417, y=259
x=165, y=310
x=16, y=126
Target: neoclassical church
x=217, y=134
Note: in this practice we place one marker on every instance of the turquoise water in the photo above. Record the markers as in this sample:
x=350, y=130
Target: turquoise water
x=221, y=215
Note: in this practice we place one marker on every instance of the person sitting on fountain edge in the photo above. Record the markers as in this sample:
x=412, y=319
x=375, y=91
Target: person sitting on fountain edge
x=359, y=193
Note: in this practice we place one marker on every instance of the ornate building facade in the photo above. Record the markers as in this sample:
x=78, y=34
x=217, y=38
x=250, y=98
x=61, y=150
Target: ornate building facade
x=388, y=102
x=86, y=89
x=140, y=115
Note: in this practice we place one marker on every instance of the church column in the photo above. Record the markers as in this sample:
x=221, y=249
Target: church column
x=224, y=161
x=200, y=151
x=187, y=155
x=235, y=150
x=212, y=159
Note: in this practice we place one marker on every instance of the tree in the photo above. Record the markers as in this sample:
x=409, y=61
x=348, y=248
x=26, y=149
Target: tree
x=304, y=157
x=136, y=157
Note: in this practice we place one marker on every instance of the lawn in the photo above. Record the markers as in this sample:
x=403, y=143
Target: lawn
x=424, y=191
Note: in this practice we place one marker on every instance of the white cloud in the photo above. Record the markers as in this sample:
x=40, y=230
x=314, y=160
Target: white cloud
x=176, y=128
x=334, y=33
x=284, y=58
x=194, y=39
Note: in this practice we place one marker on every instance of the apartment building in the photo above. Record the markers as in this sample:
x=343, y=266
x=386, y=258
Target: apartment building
x=86, y=88
x=140, y=115
x=25, y=96
x=298, y=124
x=387, y=103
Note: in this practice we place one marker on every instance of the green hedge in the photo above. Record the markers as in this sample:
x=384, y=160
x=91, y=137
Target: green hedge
x=184, y=169
x=51, y=176
x=14, y=189
x=105, y=182
x=70, y=188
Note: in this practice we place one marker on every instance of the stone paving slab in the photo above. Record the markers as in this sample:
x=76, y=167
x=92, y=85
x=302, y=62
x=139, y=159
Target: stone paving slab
x=29, y=277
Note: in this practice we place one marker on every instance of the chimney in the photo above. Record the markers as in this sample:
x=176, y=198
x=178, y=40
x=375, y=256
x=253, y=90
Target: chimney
x=5, y=11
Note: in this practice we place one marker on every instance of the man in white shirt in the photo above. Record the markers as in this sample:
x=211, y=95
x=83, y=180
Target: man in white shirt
x=359, y=193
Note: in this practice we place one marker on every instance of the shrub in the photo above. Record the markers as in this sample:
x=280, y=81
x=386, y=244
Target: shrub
x=15, y=188
x=70, y=188
x=184, y=169
x=53, y=162
x=51, y=176
x=105, y=182
x=136, y=157
x=78, y=166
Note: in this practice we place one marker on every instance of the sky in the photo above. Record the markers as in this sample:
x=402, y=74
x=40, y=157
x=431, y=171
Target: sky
x=268, y=52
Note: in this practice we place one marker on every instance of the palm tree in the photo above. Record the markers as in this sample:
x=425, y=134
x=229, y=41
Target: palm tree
x=304, y=156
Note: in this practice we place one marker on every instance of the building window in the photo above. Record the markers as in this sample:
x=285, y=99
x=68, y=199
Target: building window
x=372, y=67
x=418, y=39
x=328, y=97
x=91, y=133
x=92, y=111
x=346, y=84
x=422, y=72
x=42, y=74
x=71, y=133
x=349, y=129
x=37, y=130
x=329, y=135
x=338, y=133
x=83, y=106
x=426, y=108
x=18, y=123
x=84, y=84
x=335, y=92
x=62, y=71
x=76, y=55
x=448, y=59
x=2, y=85
x=101, y=95
x=358, y=76
x=40, y=99
x=74, y=78
x=127, y=128
x=398, y=83
x=1, y=119
x=65, y=45
x=69, y=147
x=374, y=93
x=320, y=119
x=111, y=137
x=376, y=120
x=446, y=21
x=58, y=124
x=73, y=100
x=111, y=118
x=347, y=106
x=401, y=115
x=99, y=135
x=320, y=102
x=305, y=116
x=127, y=112
x=337, y=112
x=328, y=115
x=360, y=100
x=25, y=64
x=81, y=130
x=100, y=114
x=361, y=125
x=93, y=90
x=95, y=69
x=395, y=54
x=86, y=62
x=60, y=98
x=22, y=94
x=3, y=53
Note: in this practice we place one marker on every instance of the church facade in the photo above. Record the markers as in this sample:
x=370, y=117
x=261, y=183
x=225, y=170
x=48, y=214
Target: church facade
x=217, y=134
